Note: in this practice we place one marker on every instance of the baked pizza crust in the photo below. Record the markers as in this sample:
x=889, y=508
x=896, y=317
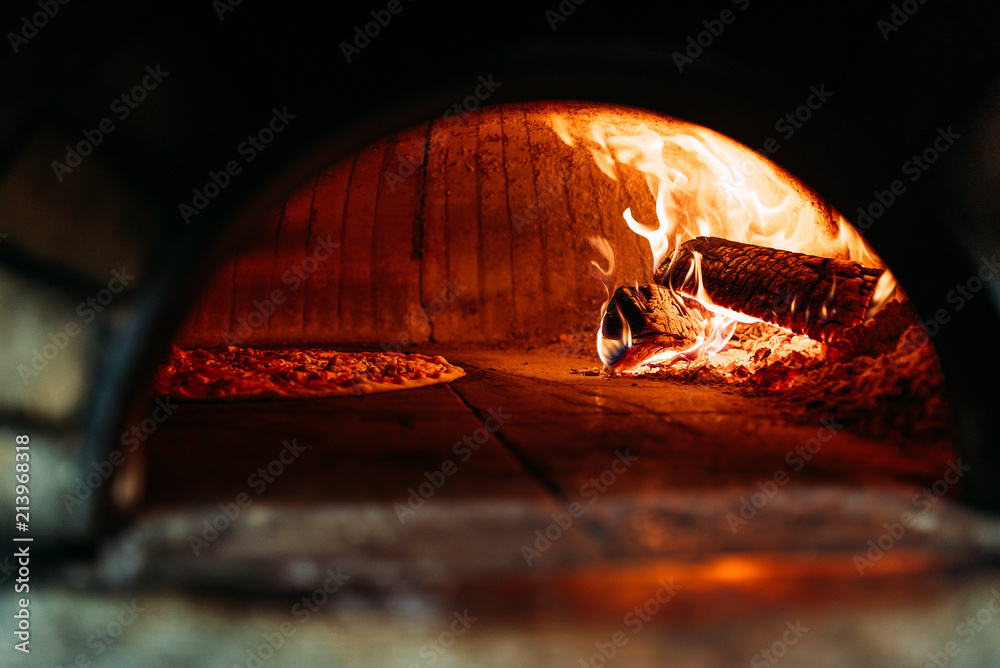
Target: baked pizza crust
x=232, y=373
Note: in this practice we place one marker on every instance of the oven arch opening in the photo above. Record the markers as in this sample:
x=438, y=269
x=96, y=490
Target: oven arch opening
x=353, y=254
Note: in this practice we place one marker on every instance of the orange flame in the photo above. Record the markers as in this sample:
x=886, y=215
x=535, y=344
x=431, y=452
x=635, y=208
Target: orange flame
x=705, y=184
x=606, y=348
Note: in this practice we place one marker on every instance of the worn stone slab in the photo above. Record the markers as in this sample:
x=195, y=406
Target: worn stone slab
x=280, y=547
x=48, y=345
x=889, y=622
x=372, y=448
x=570, y=426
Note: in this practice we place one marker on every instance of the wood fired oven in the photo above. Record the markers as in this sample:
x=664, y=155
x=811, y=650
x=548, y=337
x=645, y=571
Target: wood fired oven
x=372, y=181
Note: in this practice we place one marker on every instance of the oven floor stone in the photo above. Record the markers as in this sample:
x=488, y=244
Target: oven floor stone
x=559, y=430
x=606, y=521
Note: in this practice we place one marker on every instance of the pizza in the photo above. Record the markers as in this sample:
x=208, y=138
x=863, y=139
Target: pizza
x=240, y=373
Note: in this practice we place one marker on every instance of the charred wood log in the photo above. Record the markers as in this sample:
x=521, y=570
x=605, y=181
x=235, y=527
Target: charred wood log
x=654, y=318
x=651, y=309
x=811, y=295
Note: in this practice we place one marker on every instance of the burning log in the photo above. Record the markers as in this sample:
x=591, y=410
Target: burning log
x=652, y=310
x=646, y=320
x=811, y=295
